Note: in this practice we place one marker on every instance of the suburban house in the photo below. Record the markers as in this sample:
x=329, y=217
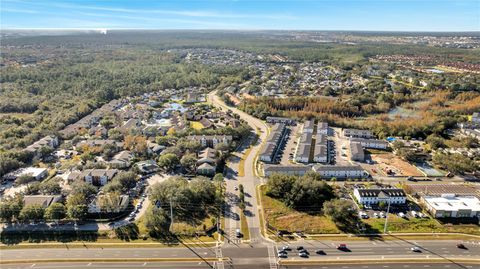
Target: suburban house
x=122, y=159
x=35, y=172
x=374, y=196
x=94, y=143
x=289, y=170
x=116, y=206
x=206, y=123
x=211, y=140
x=41, y=200
x=357, y=133
x=348, y=171
x=452, y=206
x=371, y=143
x=356, y=152
x=147, y=167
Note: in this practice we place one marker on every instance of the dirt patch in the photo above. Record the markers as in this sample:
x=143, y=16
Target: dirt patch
x=400, y=167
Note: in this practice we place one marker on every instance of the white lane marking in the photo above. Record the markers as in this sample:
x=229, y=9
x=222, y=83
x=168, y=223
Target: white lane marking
x=33, y=265
x=144, y=264
x=89, y=264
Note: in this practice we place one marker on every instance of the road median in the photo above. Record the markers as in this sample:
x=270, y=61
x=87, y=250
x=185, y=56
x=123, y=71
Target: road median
x=119, y=260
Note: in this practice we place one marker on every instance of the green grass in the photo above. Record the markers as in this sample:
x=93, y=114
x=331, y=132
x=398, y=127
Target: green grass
x=420, y=225
x=284, y=218
x=244, y=227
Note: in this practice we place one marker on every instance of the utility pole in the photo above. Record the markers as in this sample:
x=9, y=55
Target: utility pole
x=386, y=217
x=171, y=216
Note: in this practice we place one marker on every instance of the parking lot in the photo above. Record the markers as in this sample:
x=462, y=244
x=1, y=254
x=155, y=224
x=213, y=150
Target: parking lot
x=290, y=145
x=340, y=146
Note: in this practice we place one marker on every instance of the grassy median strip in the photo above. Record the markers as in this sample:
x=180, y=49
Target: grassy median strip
x=244, y=227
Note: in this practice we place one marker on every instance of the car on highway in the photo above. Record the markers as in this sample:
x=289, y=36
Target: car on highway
x=415, y=249
x=462, y=246
x=238, y=234
x=299, y=247
x=282, y=252
x=282, y=255
x=320, y=252
x=286, y=248
x=303, y=255
x=304, y=251
x=236, y=188
x=342, y=247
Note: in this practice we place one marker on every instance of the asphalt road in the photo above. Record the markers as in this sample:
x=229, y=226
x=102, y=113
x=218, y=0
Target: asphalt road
x=250, y=179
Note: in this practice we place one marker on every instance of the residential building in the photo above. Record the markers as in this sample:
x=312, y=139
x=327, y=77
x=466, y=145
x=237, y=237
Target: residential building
x=147, y=167
x=35, y=172
x=322, y=128
x=371, y=143
x=48, y=141
x=289, y=170
x=308, y=126
x=122, y=159
x=357, y=133
x=374, y=196
x=348, y=171
x=356, y=152
x=41, y=200
x=452, y=206
x=273, y=142
x=476, y=117
x=115, y=205
x=94, y=176
x=320, y=154
x=211, y=140
x=286, y=121
x=206, y=169
x=303, y=153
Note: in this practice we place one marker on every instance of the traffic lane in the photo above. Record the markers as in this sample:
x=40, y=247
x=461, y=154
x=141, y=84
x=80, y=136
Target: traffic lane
x=388, y=266
x=183, y=265
x=245, y=252
x=389, y=248
x=97, y=253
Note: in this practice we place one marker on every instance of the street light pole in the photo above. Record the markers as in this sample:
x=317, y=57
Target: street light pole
x=386, y=217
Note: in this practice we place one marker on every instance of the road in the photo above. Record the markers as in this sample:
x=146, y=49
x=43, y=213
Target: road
x=250, y=179
x=366, y=252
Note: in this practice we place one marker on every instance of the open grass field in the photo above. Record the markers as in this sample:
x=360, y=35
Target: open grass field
x=284, y=218
x=420, y=225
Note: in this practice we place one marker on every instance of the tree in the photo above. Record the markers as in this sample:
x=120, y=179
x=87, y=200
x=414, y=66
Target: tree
x=189, y=162
x=55, y=211
x=166, y=140
x=107, y=123
x=126, y=179
x=168, y=161
x=342, y=213
x=435, y=141
x=109, y=202
x=24, y=179
x=50, y=187
x=157, y=221
x=32, y=212
x=78, y=212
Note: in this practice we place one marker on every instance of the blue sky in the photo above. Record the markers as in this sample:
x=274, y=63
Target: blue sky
x=375, y=15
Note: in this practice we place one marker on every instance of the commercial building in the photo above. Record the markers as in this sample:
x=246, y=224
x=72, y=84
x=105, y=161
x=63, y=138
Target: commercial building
x=356, y=152
x=349, y=171
x=289, y=170
x=357, y=133
x=35, y=172
x=374, y=196
x=452, y=206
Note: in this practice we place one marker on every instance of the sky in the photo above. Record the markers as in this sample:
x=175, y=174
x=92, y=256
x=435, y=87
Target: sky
x=368, y=15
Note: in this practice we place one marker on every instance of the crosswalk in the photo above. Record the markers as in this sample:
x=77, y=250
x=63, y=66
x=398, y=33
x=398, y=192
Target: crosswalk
x=219, y=255
x=272, y=257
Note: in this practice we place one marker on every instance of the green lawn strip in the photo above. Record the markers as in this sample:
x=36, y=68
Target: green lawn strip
x=421, y=225
x=244, y=227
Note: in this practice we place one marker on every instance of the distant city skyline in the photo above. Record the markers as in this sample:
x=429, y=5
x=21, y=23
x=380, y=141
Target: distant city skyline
x=360, y=15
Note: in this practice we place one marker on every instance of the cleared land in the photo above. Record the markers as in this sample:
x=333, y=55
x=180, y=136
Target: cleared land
x=283, y=218
x=400, y=167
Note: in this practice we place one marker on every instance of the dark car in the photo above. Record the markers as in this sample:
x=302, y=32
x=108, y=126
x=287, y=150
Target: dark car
x=320, y=252
x=462, y=246
x=299, y=247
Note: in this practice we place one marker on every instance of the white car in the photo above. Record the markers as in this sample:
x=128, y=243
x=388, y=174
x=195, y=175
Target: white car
x=415, y=249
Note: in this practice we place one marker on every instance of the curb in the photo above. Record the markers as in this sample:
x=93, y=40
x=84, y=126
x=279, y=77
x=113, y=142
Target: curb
x=378, y=261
